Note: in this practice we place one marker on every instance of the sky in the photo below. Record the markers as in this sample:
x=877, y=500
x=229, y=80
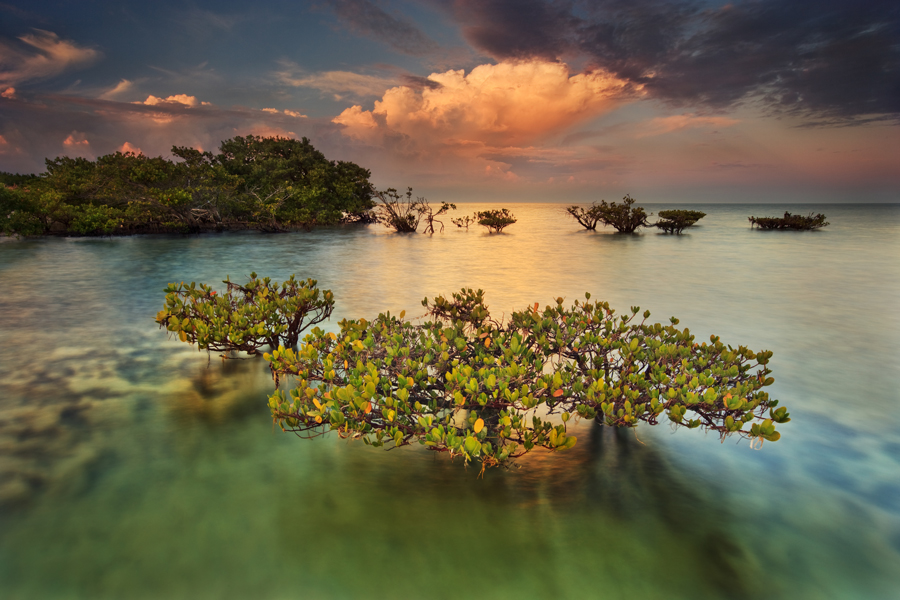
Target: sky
x=479, y=100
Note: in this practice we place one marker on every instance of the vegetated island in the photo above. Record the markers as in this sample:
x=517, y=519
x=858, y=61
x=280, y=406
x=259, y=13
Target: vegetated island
x=469, y=385
x=264, y=183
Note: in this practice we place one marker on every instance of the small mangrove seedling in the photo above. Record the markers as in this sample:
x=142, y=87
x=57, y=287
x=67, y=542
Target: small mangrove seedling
x=462, y=222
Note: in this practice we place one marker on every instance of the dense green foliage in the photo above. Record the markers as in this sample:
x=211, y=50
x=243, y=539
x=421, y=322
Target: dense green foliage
x=495, y=220
x=246, y=317
x=270, y=184
x=469, y=385
x=676, y=221
x=403, y=214
x=789, y=221
x=624, y=217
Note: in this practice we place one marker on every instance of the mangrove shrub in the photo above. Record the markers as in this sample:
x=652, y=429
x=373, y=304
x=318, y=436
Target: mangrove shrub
x=789, y=221
x=676, y=221
x=495, y=220
x=624, y=217
x=403, y=214
x=586, y=217
x=490, y=391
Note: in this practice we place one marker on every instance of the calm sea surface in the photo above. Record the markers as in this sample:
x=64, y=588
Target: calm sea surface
x=132, y=466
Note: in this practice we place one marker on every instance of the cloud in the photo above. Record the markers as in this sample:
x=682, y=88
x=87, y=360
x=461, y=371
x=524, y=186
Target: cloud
x=290, y=113
x=172, y=107
x=41, y=55
x=9, y=93
x=120, y=88
x=76, y=144
x=663, y=125
x=417, y=82
x=176, y=100
x=510, y=103
x=334, y=82
x=828, y=59
x=517, y=29
x=494, y=125
x=127, y=147
x=364, y=17
x=76, y=139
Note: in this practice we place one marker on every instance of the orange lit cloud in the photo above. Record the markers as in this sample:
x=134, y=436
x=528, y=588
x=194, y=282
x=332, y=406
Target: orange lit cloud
x=77, y=144
x=290, y=113
x=127, y=147
x=49, y=56
x=663, y=125
x=504, y=104
x=76, y=138
x=495, y=124
x=174, y=106
x=120, y=88
x=337, y=83
x=9, y=93
x=182, y=99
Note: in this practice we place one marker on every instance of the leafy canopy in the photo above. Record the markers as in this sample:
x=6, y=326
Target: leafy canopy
x=270, y=184
x=624, y=217
x=789, y=221
x=495, y=220
x=676, y=221
x=246, y=317
x=489, y=391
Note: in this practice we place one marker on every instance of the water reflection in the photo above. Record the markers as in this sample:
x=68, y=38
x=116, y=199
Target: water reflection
x=222, y=392
x=567, y=525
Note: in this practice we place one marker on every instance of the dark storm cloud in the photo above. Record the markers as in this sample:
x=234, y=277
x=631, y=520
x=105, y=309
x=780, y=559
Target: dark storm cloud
x=830, y=60
x=368, y=19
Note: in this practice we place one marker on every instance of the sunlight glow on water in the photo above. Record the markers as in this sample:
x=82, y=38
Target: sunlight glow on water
x=134, y=467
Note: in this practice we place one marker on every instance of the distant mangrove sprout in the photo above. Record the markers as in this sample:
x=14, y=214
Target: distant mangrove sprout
x=474, y=387
x=463, y=222
x=789, y=221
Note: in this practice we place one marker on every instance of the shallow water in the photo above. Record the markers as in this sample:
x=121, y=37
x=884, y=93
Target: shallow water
x=134, y=467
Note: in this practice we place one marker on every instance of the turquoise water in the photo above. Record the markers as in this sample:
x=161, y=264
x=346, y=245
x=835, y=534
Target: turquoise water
x=132, y=466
